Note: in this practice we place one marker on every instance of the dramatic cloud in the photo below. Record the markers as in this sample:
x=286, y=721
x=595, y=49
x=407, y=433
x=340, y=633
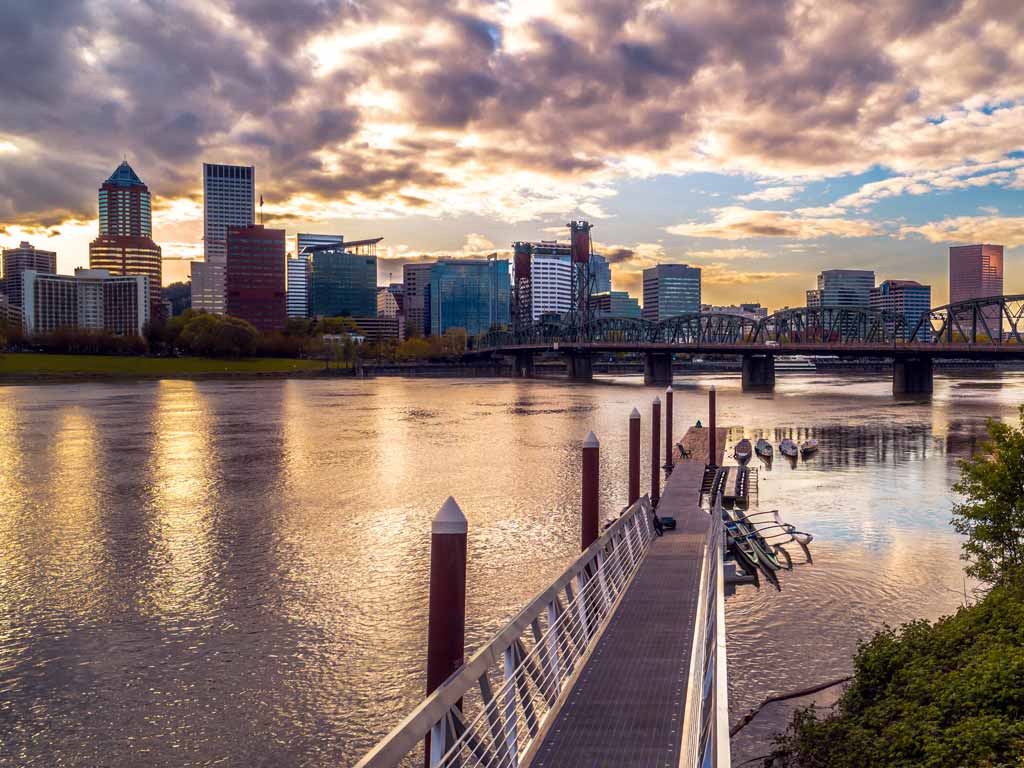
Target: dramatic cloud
x=972, y=229
x=738, y=223
x=771, y=194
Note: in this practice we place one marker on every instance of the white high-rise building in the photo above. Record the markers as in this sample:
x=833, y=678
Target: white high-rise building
x=229, y=199
x=551, y=285
x=298, y=286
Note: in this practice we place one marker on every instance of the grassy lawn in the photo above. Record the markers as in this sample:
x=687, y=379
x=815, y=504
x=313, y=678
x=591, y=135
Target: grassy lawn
x=37, y=364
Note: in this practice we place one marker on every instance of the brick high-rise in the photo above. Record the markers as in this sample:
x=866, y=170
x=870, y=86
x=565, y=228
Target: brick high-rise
x=255, y=276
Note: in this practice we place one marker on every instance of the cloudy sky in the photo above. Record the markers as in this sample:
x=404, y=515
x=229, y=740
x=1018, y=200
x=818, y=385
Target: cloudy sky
x=763, y=140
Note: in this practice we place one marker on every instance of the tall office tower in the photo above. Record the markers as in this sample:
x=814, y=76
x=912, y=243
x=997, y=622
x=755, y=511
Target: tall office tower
x=92, y=299
x=602, y=272
x=550, y=285
x=303, y=241
x=976, y=272
x=19, y=260
x=473, y=294
x=229, y=199
x=669, y=290
x=298, y=286
x=125, y=244
x=416, y=282
x=342, y=283
x=254, y=276
x=904, y=297
x=842, y=288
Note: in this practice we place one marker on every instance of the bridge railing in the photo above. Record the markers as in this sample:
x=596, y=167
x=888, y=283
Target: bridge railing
x=495, y=710
x=706, y=718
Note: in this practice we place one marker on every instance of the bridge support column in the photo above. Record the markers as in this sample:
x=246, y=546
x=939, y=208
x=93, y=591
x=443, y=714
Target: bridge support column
x=524, y=365
x=758, y=373
x=579, y=366
x=912, y=376
x=658, y=368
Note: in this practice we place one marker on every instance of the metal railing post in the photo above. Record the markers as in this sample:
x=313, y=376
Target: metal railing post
x=712, y=429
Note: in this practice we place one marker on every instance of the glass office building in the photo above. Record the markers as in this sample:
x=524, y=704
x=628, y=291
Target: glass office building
x=474, y=294
x=670, y=290
x=341, y=284
x=904, y=297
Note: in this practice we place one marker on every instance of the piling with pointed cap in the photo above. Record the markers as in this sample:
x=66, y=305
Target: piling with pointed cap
x=656, y=450
x=668, y=427
x=447, y=622
x=712, y=430
x=591, y=479
x=634, y=456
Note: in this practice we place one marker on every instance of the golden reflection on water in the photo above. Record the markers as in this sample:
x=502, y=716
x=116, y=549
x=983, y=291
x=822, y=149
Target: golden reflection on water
x=182, y=502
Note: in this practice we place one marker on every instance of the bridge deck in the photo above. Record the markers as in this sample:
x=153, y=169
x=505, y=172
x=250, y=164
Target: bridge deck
x=626, y=709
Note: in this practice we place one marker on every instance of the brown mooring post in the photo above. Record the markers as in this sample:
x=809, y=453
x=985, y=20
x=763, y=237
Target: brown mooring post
x=668, y=427
x=655, y=451
x=591, y=468
x=447, y=623
x=634, y=456
x=713, y=430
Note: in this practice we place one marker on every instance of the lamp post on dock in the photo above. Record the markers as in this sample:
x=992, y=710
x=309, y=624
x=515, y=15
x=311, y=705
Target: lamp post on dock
x=591, y=470
x=634, y=456
x=655, y=451
x=713, y=430
x=668, y=427
x=446, y=628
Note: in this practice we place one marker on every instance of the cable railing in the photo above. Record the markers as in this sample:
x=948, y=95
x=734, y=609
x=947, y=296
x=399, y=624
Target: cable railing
x=495, y=710
x=706, y=717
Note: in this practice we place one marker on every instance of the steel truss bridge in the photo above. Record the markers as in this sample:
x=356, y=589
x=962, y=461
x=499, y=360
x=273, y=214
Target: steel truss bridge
x=987, y=328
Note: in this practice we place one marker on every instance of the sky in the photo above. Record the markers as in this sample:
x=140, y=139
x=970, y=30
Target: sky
x=762, y=140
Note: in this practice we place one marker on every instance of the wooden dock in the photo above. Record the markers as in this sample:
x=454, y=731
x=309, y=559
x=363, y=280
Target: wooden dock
x=626, y=708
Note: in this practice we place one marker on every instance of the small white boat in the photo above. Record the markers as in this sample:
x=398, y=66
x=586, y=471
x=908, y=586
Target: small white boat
x=807, y=447
x=788, y=448
x=742, y=451
x=764, y=448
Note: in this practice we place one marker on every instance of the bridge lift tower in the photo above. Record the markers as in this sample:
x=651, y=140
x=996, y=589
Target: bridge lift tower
x=581, y=311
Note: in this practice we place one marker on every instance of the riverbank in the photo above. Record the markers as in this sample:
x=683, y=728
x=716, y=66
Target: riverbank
x=35, y=367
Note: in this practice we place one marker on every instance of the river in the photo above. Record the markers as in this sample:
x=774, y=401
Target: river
x=234, y=573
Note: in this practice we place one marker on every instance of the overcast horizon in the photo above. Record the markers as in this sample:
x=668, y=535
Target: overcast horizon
x=762, y=141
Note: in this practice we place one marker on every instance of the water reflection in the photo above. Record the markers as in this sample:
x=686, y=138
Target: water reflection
x=236, y=572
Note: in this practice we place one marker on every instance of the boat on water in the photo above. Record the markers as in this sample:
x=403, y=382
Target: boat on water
x=764, y=448
x=788, y=448
x=807, y=447
x=742, y=451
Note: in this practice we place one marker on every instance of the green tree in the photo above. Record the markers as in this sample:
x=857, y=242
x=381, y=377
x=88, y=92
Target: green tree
x=992, y=513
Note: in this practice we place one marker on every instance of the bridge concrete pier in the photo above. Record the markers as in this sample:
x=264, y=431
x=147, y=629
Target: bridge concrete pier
x=758, y=373
x=524, y=365
x=912, y=376
x=579, y=366
x=658, y=368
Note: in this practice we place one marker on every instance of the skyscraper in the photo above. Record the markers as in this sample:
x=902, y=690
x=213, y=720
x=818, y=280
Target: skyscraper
x=92, y=299
x=19, y=260
x=474, y=294
x=669, y=290
x=255, y=276
x=550, y=284
x=904, y=297
x=843, y=288
x=298, y=286
x=342, y=283
x=229, y=199
x=125, y=244
x=976, y=272
x=416, y=282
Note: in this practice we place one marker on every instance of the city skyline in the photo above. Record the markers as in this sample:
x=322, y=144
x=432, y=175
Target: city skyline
x=870, y=150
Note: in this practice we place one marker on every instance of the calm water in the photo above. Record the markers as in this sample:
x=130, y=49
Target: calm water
x=235, y=573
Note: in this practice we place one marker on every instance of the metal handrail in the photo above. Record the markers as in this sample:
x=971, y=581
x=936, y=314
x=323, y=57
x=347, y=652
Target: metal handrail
x=705, y=734
x=496, y=708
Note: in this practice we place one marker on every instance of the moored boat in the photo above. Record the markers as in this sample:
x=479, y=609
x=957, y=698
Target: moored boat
x=764, y=448
x=807, y=447
x=788, y=448
x=742, y=451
